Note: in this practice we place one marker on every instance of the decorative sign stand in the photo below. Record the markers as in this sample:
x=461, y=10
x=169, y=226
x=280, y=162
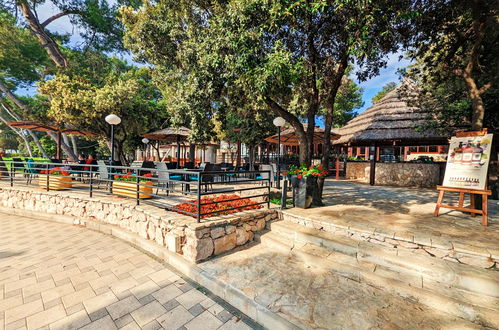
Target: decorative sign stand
x=466, y=172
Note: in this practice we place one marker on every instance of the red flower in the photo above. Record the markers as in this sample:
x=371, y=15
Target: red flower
x=320, y=167
x=311, y=167
x=299, y=176
x=284, y=173
x=147, y=175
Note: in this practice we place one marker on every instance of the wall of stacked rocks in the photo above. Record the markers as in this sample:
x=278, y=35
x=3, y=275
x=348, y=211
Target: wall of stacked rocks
x=176, y=232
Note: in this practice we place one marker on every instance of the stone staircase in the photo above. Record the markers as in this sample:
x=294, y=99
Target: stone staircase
x=468, y=292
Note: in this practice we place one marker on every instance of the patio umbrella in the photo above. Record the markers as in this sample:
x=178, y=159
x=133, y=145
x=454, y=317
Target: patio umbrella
x=170, y=134
x=289, y=137
x=34, y=126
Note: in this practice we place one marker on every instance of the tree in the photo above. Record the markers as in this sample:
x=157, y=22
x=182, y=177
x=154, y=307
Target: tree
x=87, y=94
x=385, y=90
x=287, y=56
x=458, y=39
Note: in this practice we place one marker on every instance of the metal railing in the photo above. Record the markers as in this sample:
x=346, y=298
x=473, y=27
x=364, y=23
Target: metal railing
x=165, y=188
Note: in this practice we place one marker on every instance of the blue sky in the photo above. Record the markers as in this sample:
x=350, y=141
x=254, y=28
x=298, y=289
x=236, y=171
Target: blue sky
x=371, y=87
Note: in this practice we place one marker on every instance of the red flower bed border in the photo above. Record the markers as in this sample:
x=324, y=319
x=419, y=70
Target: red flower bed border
x=220, y=203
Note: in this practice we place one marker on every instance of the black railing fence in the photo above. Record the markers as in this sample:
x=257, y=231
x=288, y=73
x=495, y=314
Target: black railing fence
x=160, y=186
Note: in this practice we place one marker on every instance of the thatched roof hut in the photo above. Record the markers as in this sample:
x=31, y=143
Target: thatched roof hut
x=289, y=137
x=390, y=121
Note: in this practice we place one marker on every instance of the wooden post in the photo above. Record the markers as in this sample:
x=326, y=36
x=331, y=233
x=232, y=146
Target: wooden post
x=373, y=158
x=337, y=167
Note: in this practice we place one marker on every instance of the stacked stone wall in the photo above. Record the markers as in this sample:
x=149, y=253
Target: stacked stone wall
x=176, y=232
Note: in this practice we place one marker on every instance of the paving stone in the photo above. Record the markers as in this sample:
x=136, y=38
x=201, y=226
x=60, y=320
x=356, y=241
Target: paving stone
x=123, y=307
x=167, y=293
x=190, y=298
x=205, y=321
x=196, y=310
x=171, y=304
x=77, y=297
x=73, y=321
x=147, y=299
x=175, y=318
x=98, y=302
x=224, y=316
x=101, y=324
x=45, y=317
x=98, y=314
x=57, y=292
x=235, y=324
x=124, y=320
x=147, y=313
x=75, y=308
x=153, y=325
x=22, y=311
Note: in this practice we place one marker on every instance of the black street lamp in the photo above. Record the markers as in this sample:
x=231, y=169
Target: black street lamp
x=112, y=120
x=279, y=122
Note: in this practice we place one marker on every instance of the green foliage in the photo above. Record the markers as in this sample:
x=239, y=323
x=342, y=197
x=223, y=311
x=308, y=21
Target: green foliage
x=455, y=47
x=22, y=60
x=86, y=94
x=47, y=143
x=385, y=90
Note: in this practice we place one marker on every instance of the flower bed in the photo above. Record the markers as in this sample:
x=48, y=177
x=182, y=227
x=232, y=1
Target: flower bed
x=221, y=205
x=58, y=179
x=126, y=185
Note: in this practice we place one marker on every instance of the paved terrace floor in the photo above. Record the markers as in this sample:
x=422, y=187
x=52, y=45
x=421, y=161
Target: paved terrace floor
x=58, y=276
x=405, y=211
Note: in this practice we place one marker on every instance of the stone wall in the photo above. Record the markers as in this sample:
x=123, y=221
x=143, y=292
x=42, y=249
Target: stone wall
x=356, y=170
x=176, y=232
x=396, y=174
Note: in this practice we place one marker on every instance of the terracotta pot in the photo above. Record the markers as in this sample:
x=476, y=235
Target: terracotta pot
x=129, y=189
x=56, y=182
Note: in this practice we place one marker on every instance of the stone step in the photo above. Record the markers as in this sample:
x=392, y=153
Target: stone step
x=432, y=270
x=408, y=286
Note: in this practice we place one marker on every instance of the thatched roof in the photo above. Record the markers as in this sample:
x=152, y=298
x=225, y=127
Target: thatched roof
x=169, y=134
x=288, y=136
x=389, y=120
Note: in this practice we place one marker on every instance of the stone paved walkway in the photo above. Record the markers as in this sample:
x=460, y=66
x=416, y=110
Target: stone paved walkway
x=58, y=276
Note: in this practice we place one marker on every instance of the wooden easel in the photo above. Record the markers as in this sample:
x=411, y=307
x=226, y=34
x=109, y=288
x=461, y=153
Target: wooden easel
x=460, y=207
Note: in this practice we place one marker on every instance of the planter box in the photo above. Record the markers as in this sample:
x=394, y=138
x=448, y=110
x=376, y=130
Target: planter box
x=56, y=182
x=129, y=189
x=305, y=192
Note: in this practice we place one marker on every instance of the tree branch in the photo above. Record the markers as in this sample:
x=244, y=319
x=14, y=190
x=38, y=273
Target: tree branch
x=59, y=15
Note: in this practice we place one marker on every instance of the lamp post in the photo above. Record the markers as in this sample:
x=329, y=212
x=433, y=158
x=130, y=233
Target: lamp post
x=112, y=120
x=238, y=159
x=279, y=122
x=145, y=141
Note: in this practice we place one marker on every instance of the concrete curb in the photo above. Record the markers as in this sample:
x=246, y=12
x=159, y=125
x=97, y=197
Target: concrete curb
x=230, y=294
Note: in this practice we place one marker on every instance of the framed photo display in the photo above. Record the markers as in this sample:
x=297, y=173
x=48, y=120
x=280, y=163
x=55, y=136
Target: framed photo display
x=468, y=162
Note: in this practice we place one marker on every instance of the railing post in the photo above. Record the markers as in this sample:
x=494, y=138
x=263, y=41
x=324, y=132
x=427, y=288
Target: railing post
x=90, y=181
x=200, y=176
x=268, y=188
x=284, y=193
x=138, y=188
x=12, y=173
x=47, y=173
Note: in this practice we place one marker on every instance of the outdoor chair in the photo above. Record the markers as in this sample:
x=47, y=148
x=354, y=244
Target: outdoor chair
x=103, y=173
x=31, y=170
x=189, y=165
x=166, y=180
x=265, y=176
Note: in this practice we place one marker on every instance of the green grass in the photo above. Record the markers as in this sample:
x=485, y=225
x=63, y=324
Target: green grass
x=277, y=201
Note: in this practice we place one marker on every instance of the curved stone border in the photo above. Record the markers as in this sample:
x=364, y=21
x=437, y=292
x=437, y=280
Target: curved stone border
x=178, y=233
x=425, y=245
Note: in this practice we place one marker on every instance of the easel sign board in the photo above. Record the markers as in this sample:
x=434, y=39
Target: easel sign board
x=468, y=161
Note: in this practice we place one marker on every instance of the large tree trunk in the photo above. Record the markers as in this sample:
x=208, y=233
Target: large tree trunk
x=74, y=145
x=67, y=149
x=335, y=86
x=43, y=37
x=303, y=140
x=31, y=133
x=21, y=135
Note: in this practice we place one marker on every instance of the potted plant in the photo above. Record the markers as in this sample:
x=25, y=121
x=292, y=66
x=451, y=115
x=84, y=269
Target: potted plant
x=126, y=185
x=304, y=182
x=56, y=179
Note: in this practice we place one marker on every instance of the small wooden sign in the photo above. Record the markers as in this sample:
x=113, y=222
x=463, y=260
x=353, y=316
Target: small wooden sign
x=466, y=172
